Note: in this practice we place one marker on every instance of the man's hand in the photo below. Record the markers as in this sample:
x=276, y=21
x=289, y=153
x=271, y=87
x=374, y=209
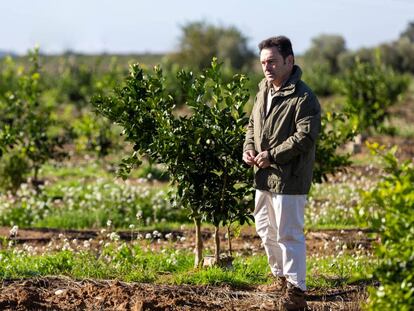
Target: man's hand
x=262, y=159
x=248, y=157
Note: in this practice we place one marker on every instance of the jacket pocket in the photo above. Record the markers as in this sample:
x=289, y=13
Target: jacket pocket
x=282, y=171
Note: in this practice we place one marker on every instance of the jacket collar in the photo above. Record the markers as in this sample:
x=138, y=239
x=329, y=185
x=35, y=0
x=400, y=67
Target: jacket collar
x=289, y=86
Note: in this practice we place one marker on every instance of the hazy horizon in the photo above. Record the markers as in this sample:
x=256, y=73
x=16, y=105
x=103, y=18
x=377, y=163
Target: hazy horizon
x=138, y=27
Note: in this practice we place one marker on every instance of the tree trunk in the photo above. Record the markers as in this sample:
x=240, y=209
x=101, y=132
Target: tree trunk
x=229, y=240
x=217, y=245
x=35, y=181
x=198, y=243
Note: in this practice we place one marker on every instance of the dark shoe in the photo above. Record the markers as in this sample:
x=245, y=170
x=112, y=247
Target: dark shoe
x=279, y=285
x=294, y=299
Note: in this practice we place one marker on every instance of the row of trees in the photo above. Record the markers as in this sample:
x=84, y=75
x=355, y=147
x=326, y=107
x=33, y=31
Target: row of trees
x=200, y=42
x=370, y=88
x=41, y=114
x=77, y=82
x=326, y=61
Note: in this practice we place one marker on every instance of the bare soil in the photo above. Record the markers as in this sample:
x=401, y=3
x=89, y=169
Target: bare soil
x=58, y=293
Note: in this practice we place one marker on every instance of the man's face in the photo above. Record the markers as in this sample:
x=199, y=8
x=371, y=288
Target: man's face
x=276, y=69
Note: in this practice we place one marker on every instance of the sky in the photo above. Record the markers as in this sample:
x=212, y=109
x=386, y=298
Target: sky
x=128, y=26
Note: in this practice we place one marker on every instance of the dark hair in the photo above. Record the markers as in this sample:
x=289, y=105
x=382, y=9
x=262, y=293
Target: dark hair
x=282, y=43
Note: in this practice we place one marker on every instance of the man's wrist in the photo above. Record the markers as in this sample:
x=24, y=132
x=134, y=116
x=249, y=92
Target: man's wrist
x=269, y=156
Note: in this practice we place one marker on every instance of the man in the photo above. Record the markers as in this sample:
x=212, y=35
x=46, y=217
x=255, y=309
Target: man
x=280, y=144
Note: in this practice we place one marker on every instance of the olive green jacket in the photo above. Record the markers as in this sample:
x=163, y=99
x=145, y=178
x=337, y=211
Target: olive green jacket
x=288, y=132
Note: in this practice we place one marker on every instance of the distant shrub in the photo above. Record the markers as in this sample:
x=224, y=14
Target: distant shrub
x=371, y=89
x=335, y=132
x=319, y=78
x=27, y=121
x=14, y=170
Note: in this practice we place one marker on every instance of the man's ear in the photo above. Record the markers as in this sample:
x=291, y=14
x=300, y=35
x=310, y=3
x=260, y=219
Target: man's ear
x=290, y=59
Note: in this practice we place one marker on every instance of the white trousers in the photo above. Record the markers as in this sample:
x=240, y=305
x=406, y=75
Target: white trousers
x=279, y=222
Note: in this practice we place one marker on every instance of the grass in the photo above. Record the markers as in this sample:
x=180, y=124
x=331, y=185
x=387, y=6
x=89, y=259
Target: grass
x=339, y=270
x=74, y=219
x=365, y=159
x=68, y=171
x=139, y=263
x=79, y=203
x=89, y=169
x=246, y=272
x=332, y=205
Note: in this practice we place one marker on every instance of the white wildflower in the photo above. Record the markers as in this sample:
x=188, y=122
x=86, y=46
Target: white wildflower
x=114, y=236
x=13, y=231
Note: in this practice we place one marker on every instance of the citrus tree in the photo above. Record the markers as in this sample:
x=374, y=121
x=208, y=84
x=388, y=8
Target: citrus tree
x=25, y=124
x=389, y=210
x=336, y=131
x=201, y=149
x=8, y=82
x=371, y=89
